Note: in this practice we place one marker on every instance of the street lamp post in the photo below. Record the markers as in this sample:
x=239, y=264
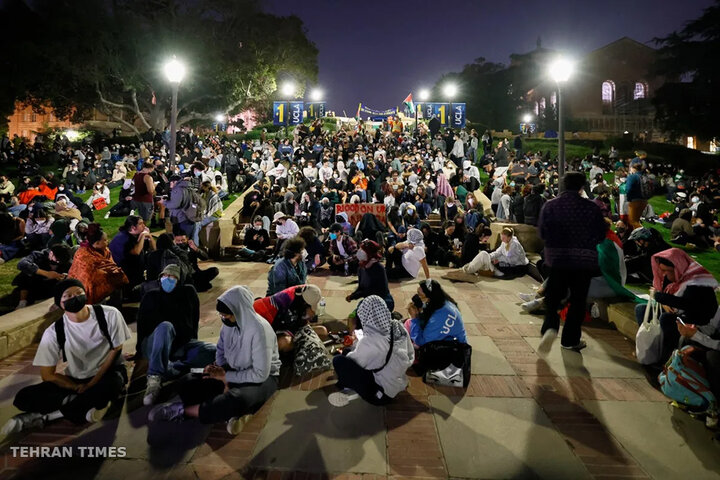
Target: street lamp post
x=175, y=72
x=561, y=70
x=423, y=96
x=450, y=91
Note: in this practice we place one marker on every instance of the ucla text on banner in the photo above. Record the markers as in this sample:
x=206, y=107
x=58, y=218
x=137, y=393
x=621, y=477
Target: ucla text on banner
x=355, y=211
x=280, y=113
x=316, y=110
x=295, y=111
x=457, y=115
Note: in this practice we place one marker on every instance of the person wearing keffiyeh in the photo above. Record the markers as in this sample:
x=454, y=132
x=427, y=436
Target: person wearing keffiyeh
x=375, y=370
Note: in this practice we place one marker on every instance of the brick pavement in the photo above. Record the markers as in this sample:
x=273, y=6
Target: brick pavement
x=554, y=393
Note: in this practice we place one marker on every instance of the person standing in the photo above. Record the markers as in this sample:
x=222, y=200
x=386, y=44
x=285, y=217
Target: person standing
x=633, y=190
x=142, y=198
x=571, y=227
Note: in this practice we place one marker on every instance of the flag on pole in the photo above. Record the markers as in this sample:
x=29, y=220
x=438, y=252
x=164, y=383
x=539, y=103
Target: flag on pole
x=408, y=102
x=358, y=112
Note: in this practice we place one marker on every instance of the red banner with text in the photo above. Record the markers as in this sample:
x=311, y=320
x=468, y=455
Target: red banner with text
x=355, y=211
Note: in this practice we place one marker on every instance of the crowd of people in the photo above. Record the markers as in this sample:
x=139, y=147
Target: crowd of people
x=439, y=210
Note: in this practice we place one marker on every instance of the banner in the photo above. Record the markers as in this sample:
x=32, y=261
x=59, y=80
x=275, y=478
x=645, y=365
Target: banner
x=355, y=211
x=528, y=128
x=427, y=110
x=295, y=113
x=457, y=115
x=280, y=113
x=388, y=112
x=441, y=111
x=316, y=110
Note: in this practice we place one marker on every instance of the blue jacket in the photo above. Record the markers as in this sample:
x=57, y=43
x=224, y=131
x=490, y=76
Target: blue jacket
x=283, y=275
x=445, y=324
x=633, y=187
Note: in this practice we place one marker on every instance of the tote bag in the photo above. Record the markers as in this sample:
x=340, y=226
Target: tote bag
x=649, y=338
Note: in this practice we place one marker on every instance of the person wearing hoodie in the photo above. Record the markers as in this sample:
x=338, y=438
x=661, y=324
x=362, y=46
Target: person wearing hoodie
x=375, y=370
x=167, y=326
x=180, y=199
x=244, y=375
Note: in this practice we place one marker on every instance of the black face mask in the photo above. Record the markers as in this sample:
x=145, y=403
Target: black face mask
x=227, y=322
x=75, y=304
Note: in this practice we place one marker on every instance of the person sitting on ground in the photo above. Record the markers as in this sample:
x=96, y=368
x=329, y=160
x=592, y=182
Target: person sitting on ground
x=290, y=310
x=90, y=340
x=641, y=245
x=438, y=319
x=256, y=241
x=167, y=326
x=290, y=270
x=408, y=257
x=37, y=227
x=683, y=233
x=244, y=375
x=684, y=289
x=94, y=267
x=375, y=369
x=130, y=247
x=286, y=229
x=342, y=250
x=507, y=261
x=191, y=254
x=40, y=272
x=315, y=249
x=372, y=278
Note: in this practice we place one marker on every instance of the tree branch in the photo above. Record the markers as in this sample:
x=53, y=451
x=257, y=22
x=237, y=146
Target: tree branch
x=137, y=110
x=112, y=115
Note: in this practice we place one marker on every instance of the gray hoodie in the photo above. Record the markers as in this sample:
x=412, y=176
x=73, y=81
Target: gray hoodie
x=249, y=348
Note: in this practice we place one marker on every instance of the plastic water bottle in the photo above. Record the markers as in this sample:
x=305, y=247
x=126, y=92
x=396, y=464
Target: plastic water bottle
x=347, y=269
x=321, y=307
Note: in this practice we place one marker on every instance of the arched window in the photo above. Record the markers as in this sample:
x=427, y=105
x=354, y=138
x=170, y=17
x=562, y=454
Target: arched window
x=537, y=108
x=553, y=99
x=542, y=103
x=640, y=90
x=608, y=92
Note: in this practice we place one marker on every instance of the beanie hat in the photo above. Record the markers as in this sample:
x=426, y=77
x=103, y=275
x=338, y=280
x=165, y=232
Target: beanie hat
x=172, y=269
x=63, y=285
x=312, y=296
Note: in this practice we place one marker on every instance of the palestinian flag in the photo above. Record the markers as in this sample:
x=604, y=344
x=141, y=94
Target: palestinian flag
x=408, y=102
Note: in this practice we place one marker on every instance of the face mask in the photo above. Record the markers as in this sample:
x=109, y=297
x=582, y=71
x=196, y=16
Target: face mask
x=450, y=204
x=75, y=304
x=333, y=236
x=197, y=174
x=304, y=255
x=226, y=321
x=695, y=199
x=361, y=255
x=257, y=227
x=168, y=284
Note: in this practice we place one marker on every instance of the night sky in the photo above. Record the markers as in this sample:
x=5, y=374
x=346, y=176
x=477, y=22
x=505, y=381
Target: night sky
x=378, y=51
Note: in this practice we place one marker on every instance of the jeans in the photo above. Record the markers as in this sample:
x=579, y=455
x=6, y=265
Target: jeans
x=216, y=405
x=156, y=348
x=17, y=209
x=559, y=282
x=671, y=335
x=47, y=397
x=199, y=226
x=353, y=376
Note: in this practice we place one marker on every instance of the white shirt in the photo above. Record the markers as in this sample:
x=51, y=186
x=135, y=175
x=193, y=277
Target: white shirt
x=411, y=260
x=325, y=173
x=287, y=230
x=85, y=346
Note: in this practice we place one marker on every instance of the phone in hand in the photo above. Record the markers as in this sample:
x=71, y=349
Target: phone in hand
x=679, y=319
x=197, y=371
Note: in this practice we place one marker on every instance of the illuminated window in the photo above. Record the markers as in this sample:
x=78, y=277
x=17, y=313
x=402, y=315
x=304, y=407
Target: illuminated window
x=542, y=103
x=553, y=99
x=608, y=91
x=690, y=142
x=640, y=91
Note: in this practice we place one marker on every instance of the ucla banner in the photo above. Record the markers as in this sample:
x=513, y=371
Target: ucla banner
x=441, y=110
x=316, y=110
x=296, y=113
x=457, y=115
x=280, y=113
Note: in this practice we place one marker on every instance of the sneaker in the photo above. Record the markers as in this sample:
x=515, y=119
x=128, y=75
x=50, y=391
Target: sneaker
x=547, y=340
x=107, y=215
x=236, y=424
x=23, y=421
x=154, y=382
x=21, y=304
x=595, y=311
x=342, y=398
x=95, y=415
x=167, y=412
x=498, y=273
x=532, y=305
x=576, y=348
x=527, y=297
x=711, y=421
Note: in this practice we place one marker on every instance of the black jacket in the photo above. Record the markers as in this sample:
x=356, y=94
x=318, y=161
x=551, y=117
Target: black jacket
x=180, y=307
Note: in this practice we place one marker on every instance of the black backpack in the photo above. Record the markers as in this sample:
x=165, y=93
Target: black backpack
x=102, y=323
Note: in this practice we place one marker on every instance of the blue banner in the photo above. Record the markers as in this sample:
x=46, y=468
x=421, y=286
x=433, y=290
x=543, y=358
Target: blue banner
x=280, y=113
x=316, y=110
x=427, y=110
x=295, y=113
x=441, y=111
x=457, y=115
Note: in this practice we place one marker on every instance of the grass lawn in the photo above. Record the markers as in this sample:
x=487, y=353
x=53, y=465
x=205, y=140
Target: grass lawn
x=111, y=225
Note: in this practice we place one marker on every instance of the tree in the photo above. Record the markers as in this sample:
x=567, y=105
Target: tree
x=76, y=55
x=689, y=101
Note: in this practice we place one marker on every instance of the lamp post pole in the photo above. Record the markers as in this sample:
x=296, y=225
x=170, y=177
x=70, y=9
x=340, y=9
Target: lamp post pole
x=173, y=123
x=561, y=134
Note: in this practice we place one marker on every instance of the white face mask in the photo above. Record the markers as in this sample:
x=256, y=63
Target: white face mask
x=361, y=255
x=304, y=255
x=257, y=227
x=695, y=199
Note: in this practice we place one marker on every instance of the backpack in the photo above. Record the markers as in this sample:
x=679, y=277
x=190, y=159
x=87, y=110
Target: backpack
x=231, y=161
x=102, y=323
x=684, y=380
x=647, y=186
x=195, y=211
x=445, y=362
